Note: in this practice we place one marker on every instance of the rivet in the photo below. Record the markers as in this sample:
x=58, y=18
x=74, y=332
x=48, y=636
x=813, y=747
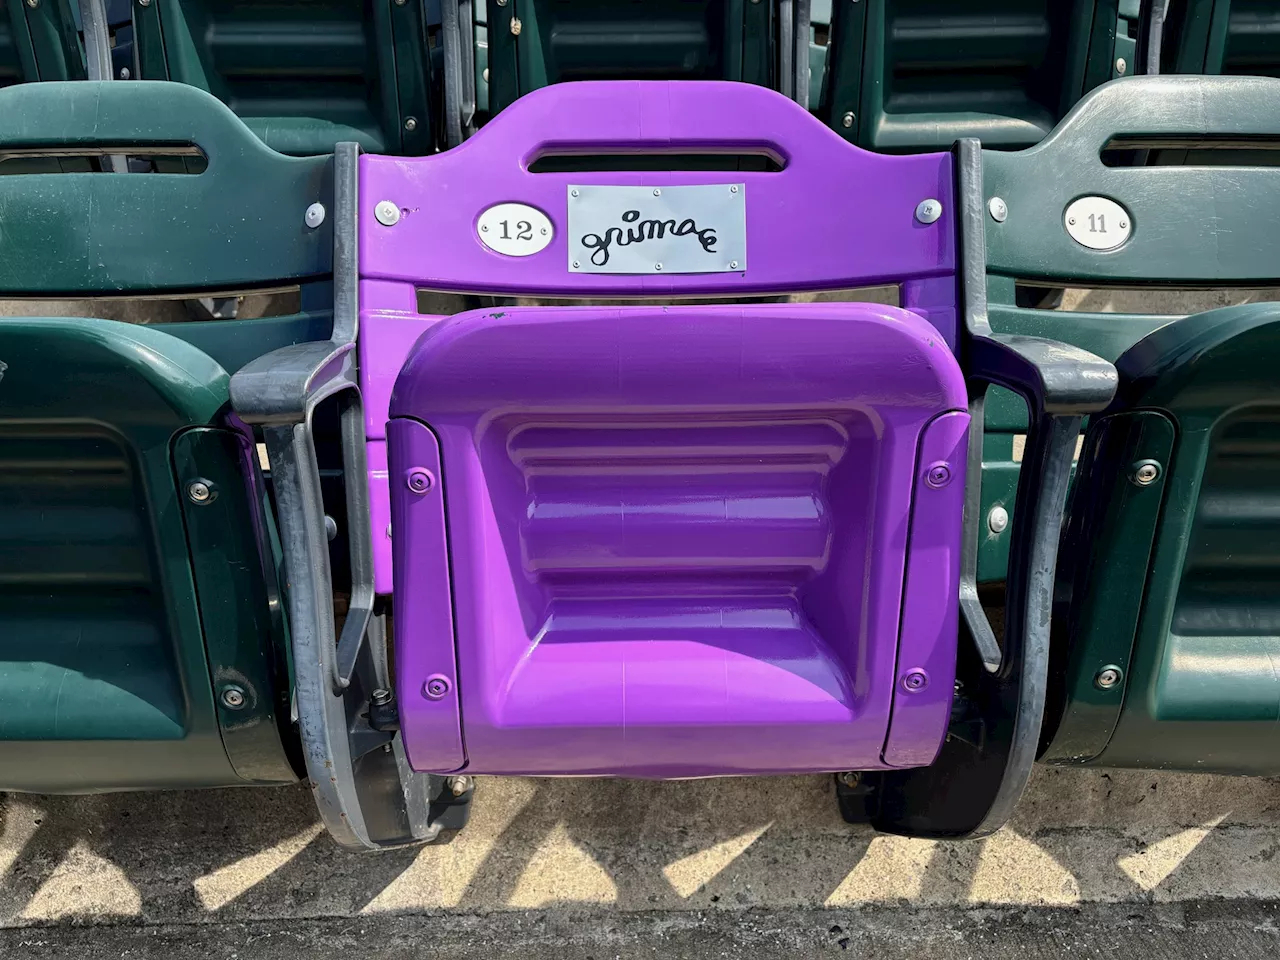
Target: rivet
x=314, y=215
x=484, y=228
x=33, y=3
x=657, y=193
x=502, y=3
x=573, y=193
x=1071, y=220
x=998, y=209
x=233, y=697
x=1121, y=66
x=486, y=74
x=576, y=264
x=388, y=213
x=998, y=519
x=124, y=73
x=657, y=266
x=733, y=264
x=939, y=475
x=436, y=687
x=388, y=531
x=411, y=123
x=928, y=211
x=733, y=188
x=1124, y=224
x=144, y=3
x=419, y=480
x=847, y=120
x=543, y=231
x=1145, y=473
x=915, y=680
x=400, y=3
x=201, y=491
x=1108, y=677
x=516, y=26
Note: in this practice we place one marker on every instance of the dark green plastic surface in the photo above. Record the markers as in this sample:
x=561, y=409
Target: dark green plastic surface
x=302, y=76
x=1174, y=583
x=128, y=609
x=39, y=43
x=911, y=75
x=625, y=39
x=1222, y=36
x=1170, y=582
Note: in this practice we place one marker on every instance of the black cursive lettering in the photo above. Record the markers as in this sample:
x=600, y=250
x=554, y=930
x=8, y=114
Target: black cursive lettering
x=639, y=230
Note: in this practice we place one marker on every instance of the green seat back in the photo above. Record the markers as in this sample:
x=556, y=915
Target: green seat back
x=1197, y=226
x=1222, y=36
x=913, y=75
x=142, y=639
x=301, y=76
x=39, y=43
x=561, y=40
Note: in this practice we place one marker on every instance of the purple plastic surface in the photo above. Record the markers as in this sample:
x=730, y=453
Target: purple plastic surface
x=834, y=217
x=678, y=538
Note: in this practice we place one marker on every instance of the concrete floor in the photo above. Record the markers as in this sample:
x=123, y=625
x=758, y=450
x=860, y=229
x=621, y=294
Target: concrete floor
x=577, y=868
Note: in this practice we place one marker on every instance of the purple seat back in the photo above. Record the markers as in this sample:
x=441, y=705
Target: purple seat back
x=667, y=541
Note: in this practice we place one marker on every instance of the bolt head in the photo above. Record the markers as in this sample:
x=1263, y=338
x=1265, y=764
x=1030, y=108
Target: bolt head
x=459, y=785
x=33, y=3
x=200, y=491
x=314, y=215
x=388, y=213
x=851, y=778
x=233, y=697
x=516, y=26
x=1145, y=473
x=915, y=680
x=998, y=520
x=999, y=211
x=1108, y=677
x=847, y=120
x=436, y=687
x=419, y=480
x=939, y=475
x=928, y=211
x=411, y=124
x=381, y=697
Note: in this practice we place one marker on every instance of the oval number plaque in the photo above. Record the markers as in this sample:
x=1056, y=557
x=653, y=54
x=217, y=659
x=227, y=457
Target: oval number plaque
x=514, y=229
x=1097, y=223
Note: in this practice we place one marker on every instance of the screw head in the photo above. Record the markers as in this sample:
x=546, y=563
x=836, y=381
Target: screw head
x=847, y=120
x=124, y=73
x=233, y=697
x=33, y=3
x=201, y=491
x=1108, y=677
x=1145, y=473
x=998, y=209
x=314, y=215
x=419, y=480
x=411, y=123
x=928, y=211
x=436, y=687
x=1121, y=66
x=998, y=520
x=939, y=475
x=915, y=680
x=388, y=213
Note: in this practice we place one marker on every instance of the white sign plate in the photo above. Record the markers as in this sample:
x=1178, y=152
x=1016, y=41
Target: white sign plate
x=657, y=230
x=1098, y=223
x=515, y=229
